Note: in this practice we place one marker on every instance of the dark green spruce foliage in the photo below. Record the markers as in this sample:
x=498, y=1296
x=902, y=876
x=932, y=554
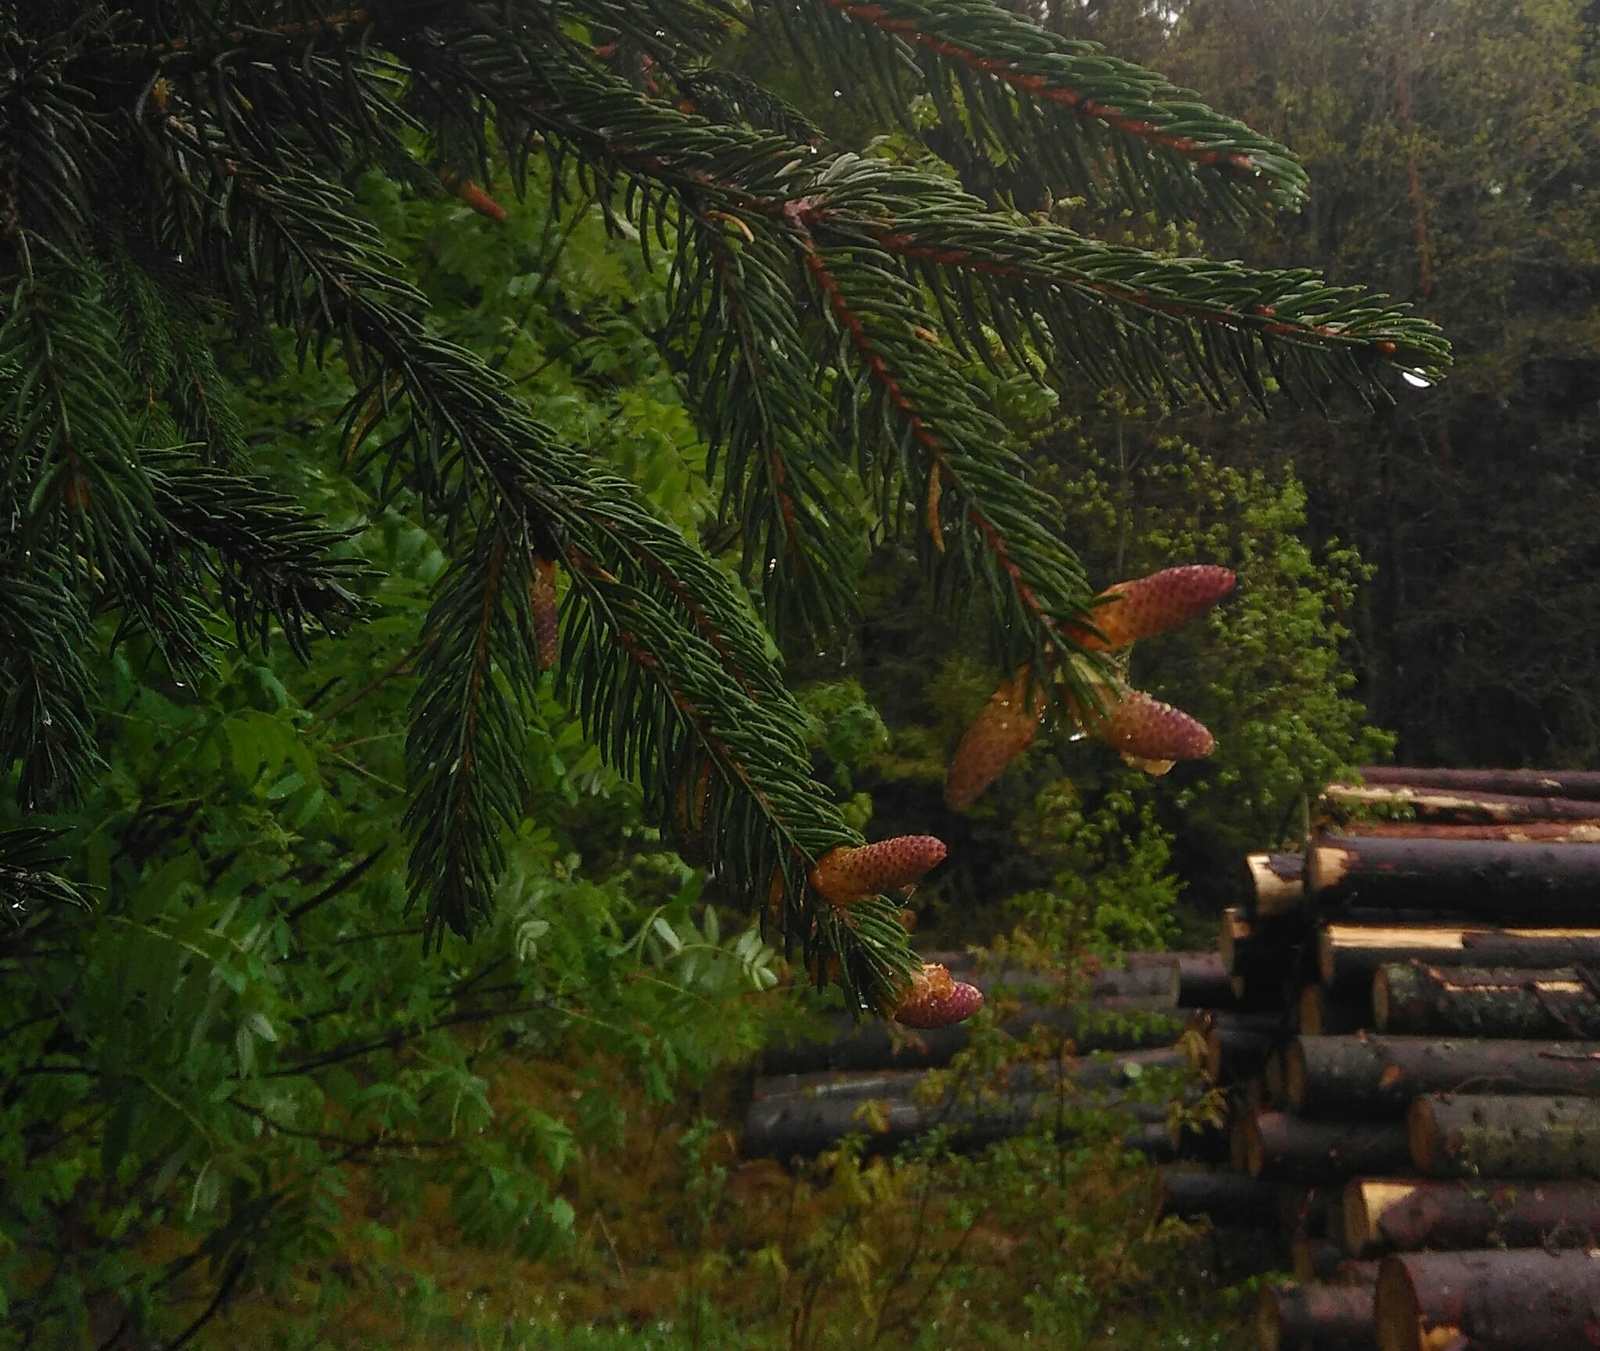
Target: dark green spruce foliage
x=266, y=918
x=177, y=191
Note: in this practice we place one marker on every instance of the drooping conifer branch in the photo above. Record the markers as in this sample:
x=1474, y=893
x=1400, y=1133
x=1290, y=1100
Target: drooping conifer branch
x=1045, y=114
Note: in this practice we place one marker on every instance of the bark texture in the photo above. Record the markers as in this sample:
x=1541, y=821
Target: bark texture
x=1325, y=1317
x=1289, y=1149
x=1576, y=783
x=1465, y=1135
x=1380, y=1075
x=1489, y=1301
x=1485, y=879
x=1407, y=1214
x=1349, y=955
x=1469, y=1001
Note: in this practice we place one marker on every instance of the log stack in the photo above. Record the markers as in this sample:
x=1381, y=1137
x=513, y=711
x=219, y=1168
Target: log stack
x=1431, y=1112
x=1112, y=1048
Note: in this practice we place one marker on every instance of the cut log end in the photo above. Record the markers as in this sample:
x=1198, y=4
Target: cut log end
x=1422, y=1134
x=1381, y=1004
x=1397, y=1316
x=1363, y=1205
x=1278, y=881
x=1291, y=1316
x=1294, y=1075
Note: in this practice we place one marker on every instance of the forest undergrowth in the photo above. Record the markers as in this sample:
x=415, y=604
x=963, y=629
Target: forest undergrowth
x=680, y=1242
x=1050, y=1239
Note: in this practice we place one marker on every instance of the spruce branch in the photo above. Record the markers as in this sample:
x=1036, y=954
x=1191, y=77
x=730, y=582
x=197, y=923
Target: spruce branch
x=959, y=475
x=736, y=327
x=275, y=563
x=1043, y=114
x=663, y=650
x=46, y=727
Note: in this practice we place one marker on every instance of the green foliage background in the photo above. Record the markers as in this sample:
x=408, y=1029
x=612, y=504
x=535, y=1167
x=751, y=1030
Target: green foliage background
x=237, y=1085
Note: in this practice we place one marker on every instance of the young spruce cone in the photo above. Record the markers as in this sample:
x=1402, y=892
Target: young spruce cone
x=1000, y=733
x=937, y=1000
x=847, y=875
x=1151, y=605
x=546, y=614
x=1143, y=728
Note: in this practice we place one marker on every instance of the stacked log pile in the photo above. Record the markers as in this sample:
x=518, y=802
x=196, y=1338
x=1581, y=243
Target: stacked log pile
x=873, y=1078
x=1430, y=1117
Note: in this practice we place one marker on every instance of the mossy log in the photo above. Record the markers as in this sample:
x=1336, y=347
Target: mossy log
x=1519, y=1300
x=1349, y=955
x=1291, y=1149
x=1322, y=1317
x=1378, y=1076
x=804, y=1114
x=1469, y=1001
x=1101, y=1025
x=1387, y=1215
x=1468, y=1135
x=1484, y=879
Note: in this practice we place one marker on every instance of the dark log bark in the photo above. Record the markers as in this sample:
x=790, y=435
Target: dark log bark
x=1348, y=955
x=1236, y=1044
x=1575, y=783
x=1471, y=1001
x=1240, y=1251
x=1272, y=1078
x=1287, y=1148
x=1279, y=882
x=1319, y=1013
x=796, y=1125
x=1202, y=981
x=1379, y=1075
x=1315, y=1259
x=1358, y=1273
x=1103, y=1025
x=805, y=1114
x=1323, y=1317
x=1467, y=1135
x=1489, y=1301
x=1112, y=1074
x=1235, y=1053
x=1303, y=1212
x=1206, y=1143
x=1264, y=957
x=1201, y=978
x=1487, y=879
x=1385, y=1215
x=1226, y=1197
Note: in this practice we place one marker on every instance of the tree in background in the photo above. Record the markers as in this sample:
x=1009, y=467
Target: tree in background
x=1452, y=148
